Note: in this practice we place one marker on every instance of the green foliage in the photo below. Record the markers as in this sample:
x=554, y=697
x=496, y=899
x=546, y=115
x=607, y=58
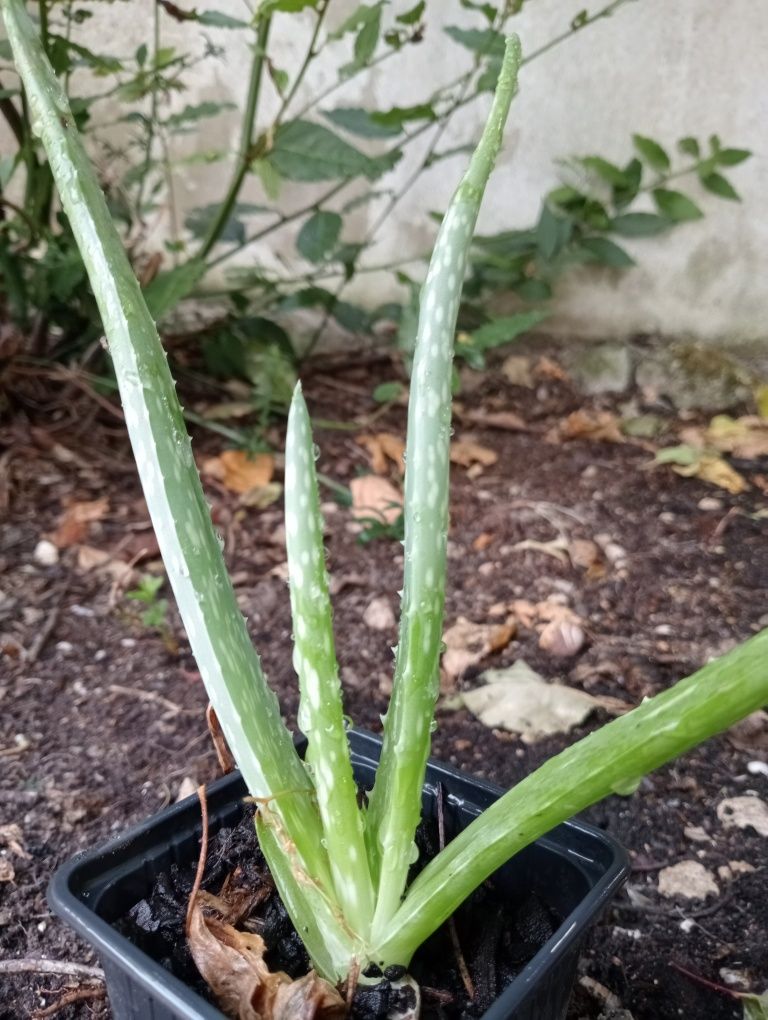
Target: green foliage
x=587, y=217
x=155, y=613
x=338, y=155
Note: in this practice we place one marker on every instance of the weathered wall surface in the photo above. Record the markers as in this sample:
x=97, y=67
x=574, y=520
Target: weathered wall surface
x=665, y=68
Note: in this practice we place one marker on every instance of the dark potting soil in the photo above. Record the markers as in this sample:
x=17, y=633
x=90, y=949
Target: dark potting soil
x=497, y=936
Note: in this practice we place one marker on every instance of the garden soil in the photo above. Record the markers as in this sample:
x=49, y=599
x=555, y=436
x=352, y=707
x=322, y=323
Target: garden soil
x=102, y=717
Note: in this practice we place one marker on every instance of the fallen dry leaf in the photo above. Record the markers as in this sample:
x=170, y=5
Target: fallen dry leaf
x=239, y=472
x=689, y=879
x=90, y=558
x=506, y=421
x=585, y=423
x=745, y=437
x=466, y=452
x=548, y=368
x=519, y=700
x=516, y=369
x=232, y=962
x=467, y=643
x=713, y=469
x=384, y=448
x=73, y=524
x=378, y=614
x=373, y=496
x=7, y=874
x=744, y=813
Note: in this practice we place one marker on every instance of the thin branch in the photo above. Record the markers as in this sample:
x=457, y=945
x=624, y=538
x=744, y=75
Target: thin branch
x=247, y=141
x=66, y=967
x=308, y=58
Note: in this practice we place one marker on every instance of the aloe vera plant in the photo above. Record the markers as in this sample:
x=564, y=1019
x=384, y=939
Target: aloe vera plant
x=342, y=868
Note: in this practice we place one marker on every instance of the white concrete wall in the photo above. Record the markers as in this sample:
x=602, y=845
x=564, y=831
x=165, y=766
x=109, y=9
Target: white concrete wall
x=665, y=68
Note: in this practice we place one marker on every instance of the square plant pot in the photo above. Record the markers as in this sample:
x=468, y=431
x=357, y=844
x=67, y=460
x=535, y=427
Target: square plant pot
x=575, y=870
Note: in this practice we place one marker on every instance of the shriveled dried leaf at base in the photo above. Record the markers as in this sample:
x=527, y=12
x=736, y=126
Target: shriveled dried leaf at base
x=518, y=699
x=385, y=449
x=232, y=962
x=467, y=643
x=239, y=472
x=375, y=497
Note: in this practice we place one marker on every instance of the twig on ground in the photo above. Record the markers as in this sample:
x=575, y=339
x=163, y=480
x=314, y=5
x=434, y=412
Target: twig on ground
x=151, y=697
x=68, y=999
x=30, y=965
x=461, y=962
x=46, y=630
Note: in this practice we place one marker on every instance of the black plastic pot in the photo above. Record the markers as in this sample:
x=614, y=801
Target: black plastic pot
x=576, y=869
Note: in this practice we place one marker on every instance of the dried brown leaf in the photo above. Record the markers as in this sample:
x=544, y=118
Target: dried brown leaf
x=466, y=452
x=73, y=523
x=239, y=472
x=585, y=423
x=548, y=368
x=505, y=421
x=519, y=700
x=713, y=469
x=467, y=643
x=384, y=448
x=232, y=962
x=375, y=497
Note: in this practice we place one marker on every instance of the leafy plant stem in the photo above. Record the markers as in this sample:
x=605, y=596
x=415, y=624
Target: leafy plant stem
x=590, y=19
x=395, y=799
x=706, y=703
x=244, y=155
x=150, y=140
x=309, y=56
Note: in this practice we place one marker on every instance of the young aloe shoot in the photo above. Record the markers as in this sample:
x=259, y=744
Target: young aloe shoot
x=342, y=869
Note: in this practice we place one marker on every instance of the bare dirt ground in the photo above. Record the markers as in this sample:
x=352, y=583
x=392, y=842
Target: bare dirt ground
x=101, y=717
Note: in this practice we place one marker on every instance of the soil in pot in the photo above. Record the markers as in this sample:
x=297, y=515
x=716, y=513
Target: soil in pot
x=497, y=936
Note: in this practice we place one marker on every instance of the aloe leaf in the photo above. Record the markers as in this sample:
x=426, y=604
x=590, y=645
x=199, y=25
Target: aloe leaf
x=231, y=671
x=320, y=711
x=322, y=927
x=395, y=803
x=706, y=703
